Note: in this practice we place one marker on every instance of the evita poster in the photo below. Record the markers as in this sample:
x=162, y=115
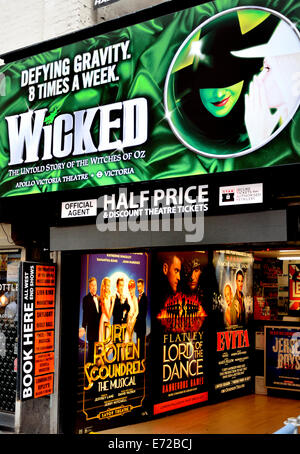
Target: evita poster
x=232, y=312
x=179, y=317
x=113, y=331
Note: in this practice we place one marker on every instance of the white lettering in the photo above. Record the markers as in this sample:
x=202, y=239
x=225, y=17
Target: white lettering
x=72, y=134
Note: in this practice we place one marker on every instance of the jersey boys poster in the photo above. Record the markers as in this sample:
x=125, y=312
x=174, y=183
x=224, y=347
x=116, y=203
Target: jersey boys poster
x=110, y=110
x=282, y=357
x=179, y=340
x=113, y=329
x=232, y=309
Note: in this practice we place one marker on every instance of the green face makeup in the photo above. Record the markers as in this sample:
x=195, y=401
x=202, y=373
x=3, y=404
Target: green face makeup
x=220, y=101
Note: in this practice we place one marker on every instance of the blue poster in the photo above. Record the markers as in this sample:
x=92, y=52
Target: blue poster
x=282, y=357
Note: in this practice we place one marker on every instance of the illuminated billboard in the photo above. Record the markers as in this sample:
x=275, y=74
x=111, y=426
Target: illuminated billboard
x=209, y=89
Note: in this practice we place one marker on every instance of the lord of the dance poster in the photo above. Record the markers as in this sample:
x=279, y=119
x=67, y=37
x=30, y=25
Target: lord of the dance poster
x=179, y=317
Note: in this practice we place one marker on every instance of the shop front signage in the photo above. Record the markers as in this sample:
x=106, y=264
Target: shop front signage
x=109, y=110
x=36, y=329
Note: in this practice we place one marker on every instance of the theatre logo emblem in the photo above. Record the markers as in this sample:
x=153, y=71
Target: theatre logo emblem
x=228, y=196
x=241, y=194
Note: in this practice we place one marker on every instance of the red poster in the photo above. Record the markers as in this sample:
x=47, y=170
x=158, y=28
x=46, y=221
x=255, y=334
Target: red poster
x=44, y=341
x=44, y=297
x=43, y=385
x=44, y=319
x=294, y=287
x=45, y=275
x=261, y=308
x=44, y=363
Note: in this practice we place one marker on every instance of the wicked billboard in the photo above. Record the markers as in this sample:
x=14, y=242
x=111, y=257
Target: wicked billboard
x=179, y=321
x=113, y=331
x=110, y=110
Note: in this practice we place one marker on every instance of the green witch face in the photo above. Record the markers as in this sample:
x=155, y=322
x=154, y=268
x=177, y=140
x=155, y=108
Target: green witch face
x=220, y=101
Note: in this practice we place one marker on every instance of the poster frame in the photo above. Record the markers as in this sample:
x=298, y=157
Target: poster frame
x=265, y=356
x=193, y=395
x=233, y=263
x=117, y=414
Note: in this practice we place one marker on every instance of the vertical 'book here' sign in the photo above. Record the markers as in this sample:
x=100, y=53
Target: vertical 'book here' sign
x=37, y=311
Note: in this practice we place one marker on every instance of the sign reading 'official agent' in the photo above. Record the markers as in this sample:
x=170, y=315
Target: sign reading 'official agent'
x=79, y=208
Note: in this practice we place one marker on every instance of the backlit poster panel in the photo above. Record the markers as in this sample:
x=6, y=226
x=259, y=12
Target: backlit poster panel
x=179, y=340
x=282, y=357
x=113, y=332
x=233, y=308
x=212, y=88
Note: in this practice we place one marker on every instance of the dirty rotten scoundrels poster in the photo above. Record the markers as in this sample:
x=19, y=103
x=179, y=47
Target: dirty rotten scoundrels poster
x=113, y=330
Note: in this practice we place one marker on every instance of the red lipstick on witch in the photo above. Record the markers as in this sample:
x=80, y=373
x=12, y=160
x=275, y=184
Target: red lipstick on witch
x=221, y=103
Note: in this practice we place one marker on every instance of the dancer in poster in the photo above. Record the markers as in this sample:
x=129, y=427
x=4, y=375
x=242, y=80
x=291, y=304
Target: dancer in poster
x=107, y=302
x=91, y=318
x=238, y=299
x=140, y=324
x=133, y=312
x=121, y=306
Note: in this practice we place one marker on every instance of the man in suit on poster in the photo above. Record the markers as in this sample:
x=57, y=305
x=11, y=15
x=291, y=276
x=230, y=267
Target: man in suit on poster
x=140, y=324
x=91, y=318
x=238, y=300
